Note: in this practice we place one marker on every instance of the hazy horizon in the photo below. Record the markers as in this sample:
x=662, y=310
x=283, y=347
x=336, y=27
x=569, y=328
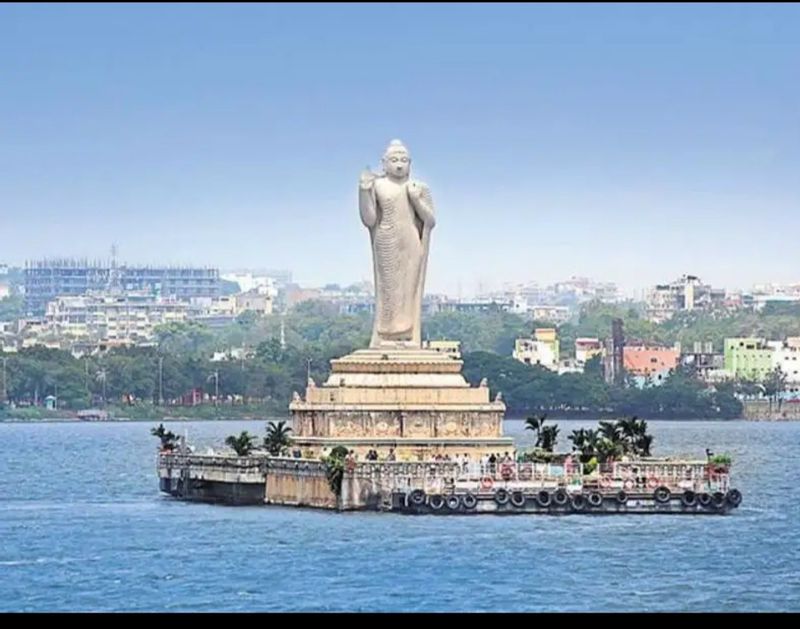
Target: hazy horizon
x=623, y=143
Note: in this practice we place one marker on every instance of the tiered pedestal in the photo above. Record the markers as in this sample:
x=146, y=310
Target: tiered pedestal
x=412, y=400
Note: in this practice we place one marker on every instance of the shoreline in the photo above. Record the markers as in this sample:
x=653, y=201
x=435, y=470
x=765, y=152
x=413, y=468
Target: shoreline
x=129, y=420
x=68, y=420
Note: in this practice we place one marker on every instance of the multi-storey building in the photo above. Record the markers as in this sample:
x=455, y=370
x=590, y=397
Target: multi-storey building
x=748, y=358
x=130, y=317
x=786, y=356
x=707, y=364
x=587, y=348
x=45, y=280
x=685, y=293
x=649, y=364
x=542, y=349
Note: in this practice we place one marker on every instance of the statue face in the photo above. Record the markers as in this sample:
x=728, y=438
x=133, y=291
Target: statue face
x=397, y=164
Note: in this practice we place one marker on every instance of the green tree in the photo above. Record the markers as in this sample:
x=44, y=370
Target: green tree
x=334, y=468
x=546, y=436
x=277, y=441
x=584, y=442
x=168, y=439
x=774, y=383
x=184, y=338
x=243, y=444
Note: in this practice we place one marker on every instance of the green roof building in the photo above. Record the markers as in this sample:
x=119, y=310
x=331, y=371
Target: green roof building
x=748, y=358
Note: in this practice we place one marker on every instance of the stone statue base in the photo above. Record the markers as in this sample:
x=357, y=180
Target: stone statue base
x=412, y=400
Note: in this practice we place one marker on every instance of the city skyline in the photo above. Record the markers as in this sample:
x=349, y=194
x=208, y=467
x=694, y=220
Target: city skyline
x=626, y=144
x=500, y=285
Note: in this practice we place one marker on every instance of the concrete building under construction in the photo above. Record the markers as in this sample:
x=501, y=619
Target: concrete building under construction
x=47, y=279
x=613, y=364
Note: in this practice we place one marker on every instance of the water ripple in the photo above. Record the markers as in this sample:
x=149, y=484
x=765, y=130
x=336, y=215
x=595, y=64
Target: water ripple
x=85, y=529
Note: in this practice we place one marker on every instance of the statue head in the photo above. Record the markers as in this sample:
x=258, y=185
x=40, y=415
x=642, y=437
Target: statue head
x=396, y=160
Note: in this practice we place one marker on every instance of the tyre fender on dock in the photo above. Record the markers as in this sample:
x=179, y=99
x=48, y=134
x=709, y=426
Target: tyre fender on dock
x=578, y=502
x=436, y=502
x=688, y=498
x=662, y=494
x=704, y=499
x=622, y=496
x=734, y=497
x=561, y=498
x=517, y=498
x=453, y=502
x=543, y=498
x=469, y=500
x=417, y=497
x=501, y=496
x=595, y=499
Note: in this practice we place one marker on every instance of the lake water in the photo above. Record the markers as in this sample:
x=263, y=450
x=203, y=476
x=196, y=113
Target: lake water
x=84, y=528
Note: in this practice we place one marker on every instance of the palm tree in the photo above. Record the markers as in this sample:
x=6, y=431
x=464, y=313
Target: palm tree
x=643, y=445
x=546, y=439
x=642, y=442
x=243, y=444
x=592, y=439
x=611, y=431
x=629, y=427
x=635, y=437
x=545, y=435
x=578, y=439
x=608, y=450
x=585, y=442
x=535, y=423
x=612, y=443
x=277, y=440
x=168, y=438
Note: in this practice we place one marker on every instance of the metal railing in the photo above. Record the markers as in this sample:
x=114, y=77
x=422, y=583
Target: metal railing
x=635, y=476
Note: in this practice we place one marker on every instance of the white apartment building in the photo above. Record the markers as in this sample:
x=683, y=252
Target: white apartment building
x=786, y=355
x=586, y=348
x=127, y=317
x=248, y=282
x=686, y=293
x=542, y=349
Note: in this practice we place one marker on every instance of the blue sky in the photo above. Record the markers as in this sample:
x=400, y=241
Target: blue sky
x=626, y=143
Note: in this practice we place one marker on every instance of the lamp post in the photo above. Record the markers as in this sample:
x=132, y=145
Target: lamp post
x=215, y=375
x=101, y=375
x=5, y=386
x=161, y=381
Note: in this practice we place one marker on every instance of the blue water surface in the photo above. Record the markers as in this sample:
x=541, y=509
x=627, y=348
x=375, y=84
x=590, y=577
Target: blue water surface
x=84, y=528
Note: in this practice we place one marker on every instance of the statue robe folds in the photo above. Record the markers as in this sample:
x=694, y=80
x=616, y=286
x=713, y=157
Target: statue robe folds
x=400, y=234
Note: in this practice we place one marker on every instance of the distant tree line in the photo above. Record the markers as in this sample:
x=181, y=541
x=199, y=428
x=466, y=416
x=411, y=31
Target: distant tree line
x=315, y=332
x=532, y=388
